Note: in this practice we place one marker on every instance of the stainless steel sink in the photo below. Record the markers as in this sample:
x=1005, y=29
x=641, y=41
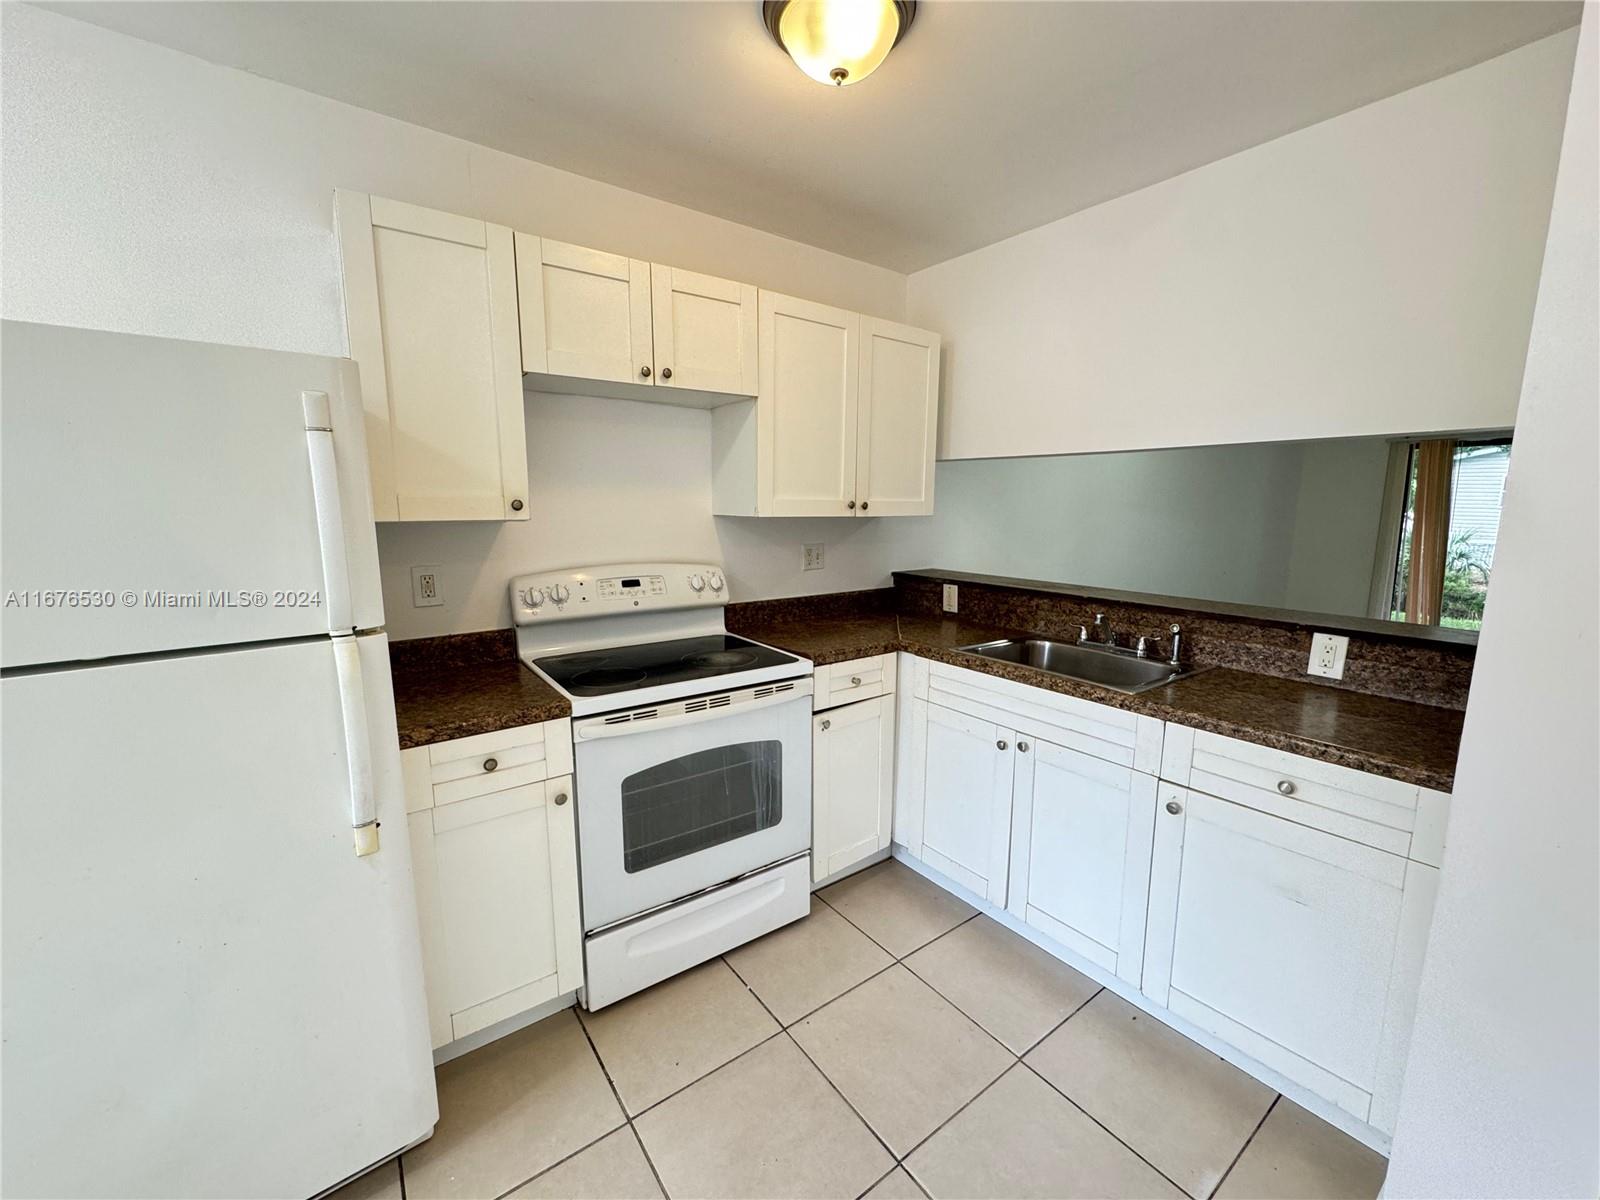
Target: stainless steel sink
x=1117, y=669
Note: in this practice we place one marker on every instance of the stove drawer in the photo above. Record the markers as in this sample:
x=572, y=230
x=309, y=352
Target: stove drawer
x=631, y=957
x=847, y=682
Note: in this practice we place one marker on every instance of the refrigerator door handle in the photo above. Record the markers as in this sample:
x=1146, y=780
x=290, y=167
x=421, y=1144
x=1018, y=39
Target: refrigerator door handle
x=330, y=510
x=357, y=745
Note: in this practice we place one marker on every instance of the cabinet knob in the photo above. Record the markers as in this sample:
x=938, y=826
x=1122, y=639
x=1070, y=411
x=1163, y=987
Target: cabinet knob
x=855, y=681
x=1001, y=744
x=1022, y=747
x=1285, y=787
x=666, y=372
x=561, y=798
x=863, y=506
x=516, y=506
x=490, y=764
x=644, y=372
x=850, y=504
x=826, y=725
x=1174, y=807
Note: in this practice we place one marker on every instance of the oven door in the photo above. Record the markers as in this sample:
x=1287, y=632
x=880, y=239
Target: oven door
x=685, y=800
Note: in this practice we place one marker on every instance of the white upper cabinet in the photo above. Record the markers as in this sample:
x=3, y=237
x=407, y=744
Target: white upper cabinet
x=898, y=418
x=705, y=332
x=431, y=310
x=806, y=408
x=585, y=313
x=844, y=419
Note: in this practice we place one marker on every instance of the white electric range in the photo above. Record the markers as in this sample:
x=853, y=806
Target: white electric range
x=692, y=752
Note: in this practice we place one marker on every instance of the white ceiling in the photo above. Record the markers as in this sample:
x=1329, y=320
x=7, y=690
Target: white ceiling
x=988, y=119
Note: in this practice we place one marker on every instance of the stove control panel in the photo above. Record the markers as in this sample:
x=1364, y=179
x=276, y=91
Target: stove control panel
x=615, y=589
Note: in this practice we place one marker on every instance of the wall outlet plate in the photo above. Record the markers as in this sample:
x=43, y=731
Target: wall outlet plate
x=950, y=597
x=425, y=592
x=811, y=556
x=1327, y=655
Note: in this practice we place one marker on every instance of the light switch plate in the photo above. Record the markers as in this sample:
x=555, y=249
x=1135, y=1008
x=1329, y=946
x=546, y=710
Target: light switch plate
x=950, y=597
x=811, y=556
x=425, y=591
x=1327, y=655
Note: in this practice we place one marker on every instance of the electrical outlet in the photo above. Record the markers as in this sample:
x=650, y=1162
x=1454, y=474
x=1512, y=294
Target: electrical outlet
x=425, y=591
x=1327, y=655
x=811, y=559
x=950, y=597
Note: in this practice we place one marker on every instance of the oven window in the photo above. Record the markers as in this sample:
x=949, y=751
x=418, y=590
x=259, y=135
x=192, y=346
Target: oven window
x=700, y=800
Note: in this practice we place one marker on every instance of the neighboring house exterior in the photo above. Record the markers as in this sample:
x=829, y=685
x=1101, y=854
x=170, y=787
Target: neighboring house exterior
x=1476, y=489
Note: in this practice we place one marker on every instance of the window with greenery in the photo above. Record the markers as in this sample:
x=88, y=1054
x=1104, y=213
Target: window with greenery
x=1448, y=530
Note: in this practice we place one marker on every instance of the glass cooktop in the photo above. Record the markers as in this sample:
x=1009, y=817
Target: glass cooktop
x=683, y=660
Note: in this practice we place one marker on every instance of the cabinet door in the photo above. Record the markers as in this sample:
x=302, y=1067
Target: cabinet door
x=852, y=784
x=425, y=878
x=806, y=417
x=1080, y=853
x=1277, y=938
x=431, y=306
x=898, y=416
x=966, y=817
x=507, y=880
x=584, y=313
x=705, y=331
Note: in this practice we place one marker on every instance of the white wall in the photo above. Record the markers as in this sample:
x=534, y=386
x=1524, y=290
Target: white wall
x=1371, y=274
x=147, y=191
x=1502, y=1092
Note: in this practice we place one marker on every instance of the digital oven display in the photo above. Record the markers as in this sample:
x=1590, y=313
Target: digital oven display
x=631, y=583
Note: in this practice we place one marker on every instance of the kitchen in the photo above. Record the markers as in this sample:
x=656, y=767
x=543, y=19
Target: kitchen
x=599, y=415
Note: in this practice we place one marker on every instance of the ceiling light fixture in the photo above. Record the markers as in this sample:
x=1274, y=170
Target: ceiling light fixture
x=838, y=41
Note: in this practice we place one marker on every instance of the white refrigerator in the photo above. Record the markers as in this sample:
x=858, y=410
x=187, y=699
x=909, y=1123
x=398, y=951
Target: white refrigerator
x=212, y=978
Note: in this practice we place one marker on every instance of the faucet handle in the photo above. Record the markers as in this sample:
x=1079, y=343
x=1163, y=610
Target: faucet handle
x=1142, y=647
x=1083, y=633
x=1177, y=644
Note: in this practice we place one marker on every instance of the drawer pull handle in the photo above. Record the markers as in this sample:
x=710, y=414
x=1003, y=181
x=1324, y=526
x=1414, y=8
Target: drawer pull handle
x=1285, y=787
x=855, y=681
x=1022, y=747
x=826, y=725
x=1000, y=745
x=490, y=764
x=561, y=798
x=1174, y=807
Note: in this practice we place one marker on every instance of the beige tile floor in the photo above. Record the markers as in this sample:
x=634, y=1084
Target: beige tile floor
x=893, y=1044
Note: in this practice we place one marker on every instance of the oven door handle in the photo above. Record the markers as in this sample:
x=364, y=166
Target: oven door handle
x=596, y=728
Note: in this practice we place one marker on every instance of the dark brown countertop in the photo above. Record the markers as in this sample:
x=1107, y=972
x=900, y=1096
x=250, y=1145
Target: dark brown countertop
x=471, y=683
x=1414, y=743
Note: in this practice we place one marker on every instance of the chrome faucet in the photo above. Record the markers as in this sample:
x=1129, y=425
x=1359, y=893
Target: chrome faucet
x=1103, y=633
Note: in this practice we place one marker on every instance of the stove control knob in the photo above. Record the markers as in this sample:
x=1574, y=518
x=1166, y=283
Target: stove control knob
x=697, y=582
x=714, y=578
x=533, y=597
x=560, y=593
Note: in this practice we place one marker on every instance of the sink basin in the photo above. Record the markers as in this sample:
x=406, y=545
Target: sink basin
x=1119, y=670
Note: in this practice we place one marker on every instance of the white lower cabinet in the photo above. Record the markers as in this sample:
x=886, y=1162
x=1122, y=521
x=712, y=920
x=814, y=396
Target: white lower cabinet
x=1285, y=916
x=852, y=784
x=1080, y=853
x=1298, y=946
x=966, y=809
x=496, y=871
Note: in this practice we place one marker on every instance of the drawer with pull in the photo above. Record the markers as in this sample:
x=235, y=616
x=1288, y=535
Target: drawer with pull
x=498, y=761
x=1386, y=814
x=857, y=679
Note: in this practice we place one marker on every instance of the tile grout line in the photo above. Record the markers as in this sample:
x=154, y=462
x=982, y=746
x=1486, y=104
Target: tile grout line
x=638, y=1140
x=400, y=1165
x=627, y=1117
x=1035, y=1045
x=589, y=1144
x=795, y=1042
x=855, y=1112
x=1182, y=1190
x=1246, y=1146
